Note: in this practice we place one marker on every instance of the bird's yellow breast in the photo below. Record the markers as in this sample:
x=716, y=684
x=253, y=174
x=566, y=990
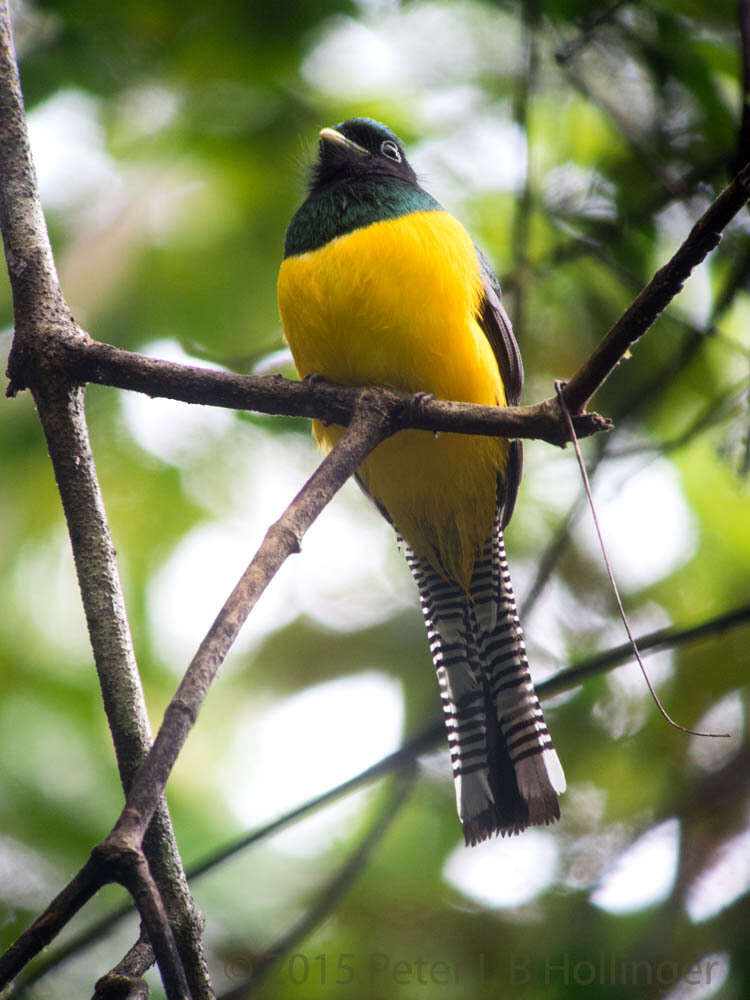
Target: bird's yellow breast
x=396, y=303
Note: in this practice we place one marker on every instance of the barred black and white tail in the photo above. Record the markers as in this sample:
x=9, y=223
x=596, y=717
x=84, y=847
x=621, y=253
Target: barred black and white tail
x=505, y=768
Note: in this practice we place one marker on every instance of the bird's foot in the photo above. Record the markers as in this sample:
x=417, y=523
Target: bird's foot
x=419, y=400
x=418, y=403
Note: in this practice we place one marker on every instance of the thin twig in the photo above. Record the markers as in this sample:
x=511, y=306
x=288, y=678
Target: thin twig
x=559, y=388
x=139, y=882
x=330, y=894
x=125, y=977
x=653, y=642
x=402, y=757
x=111, y=861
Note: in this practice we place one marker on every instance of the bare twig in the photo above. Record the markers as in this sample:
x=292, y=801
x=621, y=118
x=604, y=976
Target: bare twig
x=107, y=863
x=432, y=735
x=559, y=386
x=31, y=267
x=653, y=642
x=46, y=927
x=107, y=365
x=139, y=882
x=124, y=982
x=420, y=744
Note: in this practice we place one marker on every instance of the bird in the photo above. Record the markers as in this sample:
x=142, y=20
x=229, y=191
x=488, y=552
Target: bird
x=380, y=285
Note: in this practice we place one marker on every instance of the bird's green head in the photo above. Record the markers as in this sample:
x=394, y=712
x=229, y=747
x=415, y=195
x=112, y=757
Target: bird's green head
x=359, y=149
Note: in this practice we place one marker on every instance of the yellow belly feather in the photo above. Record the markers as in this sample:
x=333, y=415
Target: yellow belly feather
x=395, y=303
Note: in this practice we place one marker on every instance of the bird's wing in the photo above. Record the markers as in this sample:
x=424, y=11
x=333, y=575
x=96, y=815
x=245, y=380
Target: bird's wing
x=496, y=327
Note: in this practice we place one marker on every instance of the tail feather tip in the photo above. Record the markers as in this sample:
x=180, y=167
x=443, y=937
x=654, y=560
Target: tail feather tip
x=541, y=812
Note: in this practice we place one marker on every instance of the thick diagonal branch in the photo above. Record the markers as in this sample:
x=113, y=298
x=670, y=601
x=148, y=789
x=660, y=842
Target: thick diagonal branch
x=370, y=424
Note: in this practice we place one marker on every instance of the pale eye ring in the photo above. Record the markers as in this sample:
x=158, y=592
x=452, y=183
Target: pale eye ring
x=391, y=150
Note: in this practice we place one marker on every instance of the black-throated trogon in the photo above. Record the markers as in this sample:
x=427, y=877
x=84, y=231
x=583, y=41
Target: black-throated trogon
x=379, y=284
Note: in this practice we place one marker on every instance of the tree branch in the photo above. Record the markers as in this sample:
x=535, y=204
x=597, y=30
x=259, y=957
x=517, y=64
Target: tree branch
x=85, y=360
x=85, y=884
x=109, y=862
x=31, y=267
x=63, y=420
x=139, y=882
x=124, y=982
x=313, y=398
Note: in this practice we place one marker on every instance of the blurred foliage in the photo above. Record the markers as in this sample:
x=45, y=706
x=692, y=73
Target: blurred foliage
x=171, y=141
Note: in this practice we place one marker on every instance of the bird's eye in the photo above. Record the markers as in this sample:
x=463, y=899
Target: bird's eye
x=391, y=150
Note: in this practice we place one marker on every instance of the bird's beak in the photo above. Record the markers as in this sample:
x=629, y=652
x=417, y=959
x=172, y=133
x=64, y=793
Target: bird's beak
x=337, y=139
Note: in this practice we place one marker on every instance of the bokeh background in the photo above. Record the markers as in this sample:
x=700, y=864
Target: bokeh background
x=578, y=143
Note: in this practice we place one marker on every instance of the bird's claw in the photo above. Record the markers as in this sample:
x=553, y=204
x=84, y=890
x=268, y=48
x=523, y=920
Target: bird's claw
x=419, y=400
